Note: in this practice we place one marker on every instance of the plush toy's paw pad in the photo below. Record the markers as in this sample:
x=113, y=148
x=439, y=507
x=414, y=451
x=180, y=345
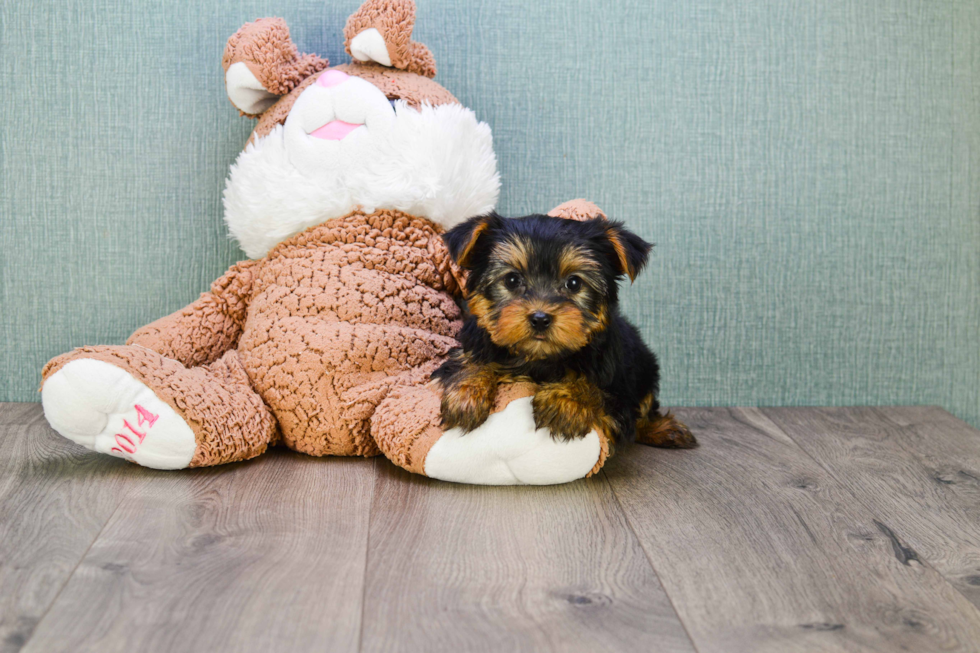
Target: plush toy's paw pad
x=103, y=408
x=509, y=450
x=665, y=431
x=559, y=409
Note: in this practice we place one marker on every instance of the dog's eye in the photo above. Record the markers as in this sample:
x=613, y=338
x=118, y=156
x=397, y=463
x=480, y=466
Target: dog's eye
x=573, y=283
x=512, y=281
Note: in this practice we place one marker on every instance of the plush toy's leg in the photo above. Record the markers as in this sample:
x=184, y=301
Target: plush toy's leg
x=133, y=403
x=505, y=450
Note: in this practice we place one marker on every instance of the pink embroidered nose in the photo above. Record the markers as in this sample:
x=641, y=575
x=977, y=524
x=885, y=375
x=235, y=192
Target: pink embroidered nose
x=332, y=78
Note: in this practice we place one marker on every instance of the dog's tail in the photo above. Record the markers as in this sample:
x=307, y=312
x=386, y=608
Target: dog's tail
x=664, y=430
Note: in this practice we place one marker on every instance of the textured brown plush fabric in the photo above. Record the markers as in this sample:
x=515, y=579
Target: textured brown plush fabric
x=397, y=84
x=395, y=20
x=335, y=313
x=270, y=54
x=406, y=425
x=200, y=333
x=327, y=326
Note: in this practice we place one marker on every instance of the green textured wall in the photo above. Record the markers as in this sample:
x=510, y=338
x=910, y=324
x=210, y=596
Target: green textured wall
x=810, y=172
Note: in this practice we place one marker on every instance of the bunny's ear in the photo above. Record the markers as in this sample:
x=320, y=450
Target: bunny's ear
x=381, y=31
x=262, y=63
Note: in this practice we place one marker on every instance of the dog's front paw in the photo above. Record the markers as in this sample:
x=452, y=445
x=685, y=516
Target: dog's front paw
x=464, y=409
x=569, y=409
x=468, y=398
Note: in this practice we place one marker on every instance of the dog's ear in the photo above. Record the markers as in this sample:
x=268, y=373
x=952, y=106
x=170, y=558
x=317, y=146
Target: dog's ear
x=631, y=250
x=462, y=239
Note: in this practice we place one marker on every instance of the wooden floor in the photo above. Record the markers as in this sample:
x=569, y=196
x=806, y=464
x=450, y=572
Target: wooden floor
x=853, y=529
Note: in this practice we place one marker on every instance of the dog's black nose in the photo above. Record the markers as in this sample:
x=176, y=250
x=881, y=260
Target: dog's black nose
x=540, y=320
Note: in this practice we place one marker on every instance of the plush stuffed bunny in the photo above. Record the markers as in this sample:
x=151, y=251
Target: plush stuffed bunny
x=325, y=340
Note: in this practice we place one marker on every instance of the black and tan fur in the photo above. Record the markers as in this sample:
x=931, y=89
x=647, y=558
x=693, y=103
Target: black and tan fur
x=542, y=305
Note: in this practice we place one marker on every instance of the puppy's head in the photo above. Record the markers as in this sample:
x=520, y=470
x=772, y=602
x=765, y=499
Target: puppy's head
x=541, y=286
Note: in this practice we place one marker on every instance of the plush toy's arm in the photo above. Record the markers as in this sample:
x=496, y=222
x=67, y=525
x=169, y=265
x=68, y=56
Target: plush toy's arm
x=261, y=63
x=577, y=210
x=203, y=331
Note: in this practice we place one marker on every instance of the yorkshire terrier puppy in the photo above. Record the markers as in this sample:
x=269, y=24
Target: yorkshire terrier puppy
x=541, y=304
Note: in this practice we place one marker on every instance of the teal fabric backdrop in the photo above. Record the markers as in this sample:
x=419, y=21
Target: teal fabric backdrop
x=809, y=170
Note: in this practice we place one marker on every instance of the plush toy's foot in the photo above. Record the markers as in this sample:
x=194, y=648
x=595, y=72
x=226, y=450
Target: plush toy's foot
x=131, y=402
x=507, y=449
x=103, y=408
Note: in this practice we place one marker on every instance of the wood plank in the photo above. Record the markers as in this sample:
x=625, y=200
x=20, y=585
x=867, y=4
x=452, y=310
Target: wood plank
x=760, y=549
x=917, y=467
x=468, y=568
x=55, y=498
x=14, y=413
x=257, y=556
